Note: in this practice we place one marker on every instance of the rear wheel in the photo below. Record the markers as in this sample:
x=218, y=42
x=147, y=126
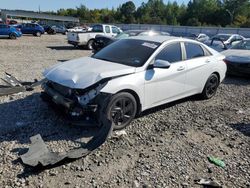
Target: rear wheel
x=211, y=87
x=12, y=36
x=121, y=110
x=90, y=44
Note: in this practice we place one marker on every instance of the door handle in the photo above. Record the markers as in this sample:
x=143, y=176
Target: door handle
x=181, y=68
x=208, y=61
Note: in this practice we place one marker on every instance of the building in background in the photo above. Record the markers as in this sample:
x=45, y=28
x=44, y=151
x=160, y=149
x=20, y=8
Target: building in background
x=22, y=16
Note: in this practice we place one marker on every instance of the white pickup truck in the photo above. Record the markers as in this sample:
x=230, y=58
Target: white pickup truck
x=87, y=38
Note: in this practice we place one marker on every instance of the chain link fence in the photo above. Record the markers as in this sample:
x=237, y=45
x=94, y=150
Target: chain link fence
x=186, y=30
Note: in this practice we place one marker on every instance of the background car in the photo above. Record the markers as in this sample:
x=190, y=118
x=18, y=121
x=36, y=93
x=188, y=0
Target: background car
x=31, y=28
x=201, y=37
x=49, y=30
x=77, y=29
x=132, y=75
x=222, y=42
x=101, y=40
x=59, y=29
x=8, y=31
x=238, y=59
x=86, y=39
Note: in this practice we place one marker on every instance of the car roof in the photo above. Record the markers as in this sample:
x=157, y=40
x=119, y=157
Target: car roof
x=160, y=38
x=226, y=34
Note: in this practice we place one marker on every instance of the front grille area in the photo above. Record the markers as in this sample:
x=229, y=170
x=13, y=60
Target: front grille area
x=65, y=91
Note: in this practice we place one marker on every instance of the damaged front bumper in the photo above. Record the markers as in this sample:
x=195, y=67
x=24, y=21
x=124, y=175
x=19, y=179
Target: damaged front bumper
x=82, y=107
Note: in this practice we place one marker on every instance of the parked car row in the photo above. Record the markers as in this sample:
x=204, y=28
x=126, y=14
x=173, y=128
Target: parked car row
x=234, y=46
x=16, y=30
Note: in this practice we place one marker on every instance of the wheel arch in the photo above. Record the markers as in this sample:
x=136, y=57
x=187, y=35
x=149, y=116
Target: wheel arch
x=217, y=74
x=136, y=96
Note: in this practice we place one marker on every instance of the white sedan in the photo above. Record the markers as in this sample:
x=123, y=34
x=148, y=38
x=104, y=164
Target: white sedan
x=132, y=75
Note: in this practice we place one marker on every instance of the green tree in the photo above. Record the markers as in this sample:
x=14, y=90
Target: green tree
x=126, y=12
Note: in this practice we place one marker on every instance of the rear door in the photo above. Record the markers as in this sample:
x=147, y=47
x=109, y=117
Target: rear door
x=26, y=28
x=164, y=85
x=199, y=66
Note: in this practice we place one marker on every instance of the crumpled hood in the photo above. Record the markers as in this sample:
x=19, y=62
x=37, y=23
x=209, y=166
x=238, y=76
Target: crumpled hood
x=84, y=72
x=237, y=55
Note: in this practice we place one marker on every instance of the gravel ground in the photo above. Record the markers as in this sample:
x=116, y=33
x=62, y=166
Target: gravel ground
x=167, y=146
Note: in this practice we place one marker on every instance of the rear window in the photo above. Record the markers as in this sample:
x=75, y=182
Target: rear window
x=193, y=50
x=97, y=28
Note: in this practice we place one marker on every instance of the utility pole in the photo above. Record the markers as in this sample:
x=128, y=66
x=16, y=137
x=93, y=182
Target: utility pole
x=39, y=9
x=231, y=16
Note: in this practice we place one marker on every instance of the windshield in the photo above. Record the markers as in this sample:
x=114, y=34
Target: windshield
x=243, y=45
x=222, y=37
x=122, y=36
x=129, y=52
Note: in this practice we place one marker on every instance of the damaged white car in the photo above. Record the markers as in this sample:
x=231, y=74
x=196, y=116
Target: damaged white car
x=133, y=75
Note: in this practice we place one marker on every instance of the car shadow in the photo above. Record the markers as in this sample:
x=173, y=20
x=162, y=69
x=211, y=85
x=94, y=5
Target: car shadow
x=65, y=48
x=168, y=105
x=242, y=127
x=63, y=60
x=23, y=118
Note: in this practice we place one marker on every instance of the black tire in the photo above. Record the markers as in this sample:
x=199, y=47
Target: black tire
x=38, y=34
x=121, y=110
x=12, y=36
x=90, y=44
x=210, y=87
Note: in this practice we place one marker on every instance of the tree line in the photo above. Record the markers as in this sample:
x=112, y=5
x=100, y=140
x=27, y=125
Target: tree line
x=233, y=13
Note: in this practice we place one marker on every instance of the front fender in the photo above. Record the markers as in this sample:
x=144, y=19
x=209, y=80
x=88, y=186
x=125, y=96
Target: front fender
x=134, y=82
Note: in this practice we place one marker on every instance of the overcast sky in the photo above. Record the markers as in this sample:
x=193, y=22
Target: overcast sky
x=47, y=5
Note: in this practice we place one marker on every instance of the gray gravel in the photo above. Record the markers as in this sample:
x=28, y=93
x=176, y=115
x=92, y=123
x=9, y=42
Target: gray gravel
x=167, y=146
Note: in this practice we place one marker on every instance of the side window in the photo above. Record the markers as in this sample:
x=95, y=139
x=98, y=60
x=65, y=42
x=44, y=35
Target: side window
x=171, y=53
x=107, y=29
x=238, y=37
x=97, y=28
x=193, y=50
x=115, y=30
x=3, y=26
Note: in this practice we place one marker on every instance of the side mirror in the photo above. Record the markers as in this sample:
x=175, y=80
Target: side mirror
x=161, y=64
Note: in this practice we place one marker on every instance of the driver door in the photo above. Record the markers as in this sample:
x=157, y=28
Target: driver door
x=163, y=85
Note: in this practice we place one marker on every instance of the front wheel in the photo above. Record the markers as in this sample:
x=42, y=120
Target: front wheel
x=90, y=44
x=12, y=36
x=211, y=87
x=38, y=34
x=121, y=110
